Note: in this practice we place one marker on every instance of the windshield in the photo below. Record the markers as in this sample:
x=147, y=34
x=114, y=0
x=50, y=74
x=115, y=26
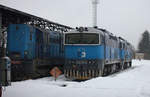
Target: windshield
x=82, y=38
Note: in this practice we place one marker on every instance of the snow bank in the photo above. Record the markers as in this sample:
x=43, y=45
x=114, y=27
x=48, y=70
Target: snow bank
x=133, y=82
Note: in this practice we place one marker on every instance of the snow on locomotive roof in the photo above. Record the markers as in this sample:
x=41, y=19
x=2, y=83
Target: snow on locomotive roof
x=84, y=30
x=96, y=30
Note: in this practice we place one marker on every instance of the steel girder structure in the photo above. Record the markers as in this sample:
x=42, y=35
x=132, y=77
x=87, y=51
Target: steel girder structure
x=10, y=15
x=43, y=24
x=13, y=16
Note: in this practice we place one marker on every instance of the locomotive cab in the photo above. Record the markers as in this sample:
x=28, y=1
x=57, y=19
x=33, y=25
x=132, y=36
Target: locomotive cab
x=84, y=53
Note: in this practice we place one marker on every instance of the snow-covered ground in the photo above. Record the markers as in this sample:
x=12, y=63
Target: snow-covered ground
x=133, y=82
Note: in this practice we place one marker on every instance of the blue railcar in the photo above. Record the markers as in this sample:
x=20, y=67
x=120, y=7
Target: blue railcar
x=33, y=51
x=126, y=53
x=92, y=52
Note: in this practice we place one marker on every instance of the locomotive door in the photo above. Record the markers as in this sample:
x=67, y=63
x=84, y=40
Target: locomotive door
x=104, y=47
x=120, y=47
x=61, y=48
x=31, y=44
x=38, y=46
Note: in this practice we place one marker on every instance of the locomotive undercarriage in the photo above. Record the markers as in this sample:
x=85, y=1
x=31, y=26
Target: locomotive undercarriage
x=81, y=75
x=116, y=67
x=89, y=71
x=31, y=69
x=82, y=69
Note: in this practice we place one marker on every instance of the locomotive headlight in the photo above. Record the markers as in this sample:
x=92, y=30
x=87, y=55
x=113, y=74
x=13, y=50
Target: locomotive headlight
x=25, y=52
x=90, y=62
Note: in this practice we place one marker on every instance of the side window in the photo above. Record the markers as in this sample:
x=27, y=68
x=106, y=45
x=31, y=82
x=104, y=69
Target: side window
x=102, y=39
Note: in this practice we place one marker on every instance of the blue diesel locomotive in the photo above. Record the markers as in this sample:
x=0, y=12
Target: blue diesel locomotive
x=33, y=51
x=92, y=52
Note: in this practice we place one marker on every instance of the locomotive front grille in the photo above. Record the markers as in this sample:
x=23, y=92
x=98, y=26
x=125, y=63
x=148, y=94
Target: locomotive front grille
x=81, y=62
x=75, y=74
x=82, y=69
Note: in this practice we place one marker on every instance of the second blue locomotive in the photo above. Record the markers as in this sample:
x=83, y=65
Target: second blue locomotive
x=33, y=51
x=92, y=52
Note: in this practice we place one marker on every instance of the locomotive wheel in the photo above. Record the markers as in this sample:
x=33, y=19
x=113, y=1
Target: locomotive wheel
x=112, y=68
x=74, y=74
x=105, y=70
x=117, y=67
x=93, y=73
x=97, y=73
x=130, y=64
x=125, y=66
x=85, y=74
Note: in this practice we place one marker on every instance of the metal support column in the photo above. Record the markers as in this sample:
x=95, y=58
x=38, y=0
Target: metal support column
x=1, y=35
x=2, y=48
x=94, y=2
x=0, y=26
x=0, y=52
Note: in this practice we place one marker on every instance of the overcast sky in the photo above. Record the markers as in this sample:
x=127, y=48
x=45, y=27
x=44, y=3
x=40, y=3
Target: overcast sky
x=125, y=18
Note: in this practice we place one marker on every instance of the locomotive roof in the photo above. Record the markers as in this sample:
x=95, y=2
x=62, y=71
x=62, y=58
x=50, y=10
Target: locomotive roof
x=97, y=30
x=91, y=30
x=85, y=30
x=32, y=26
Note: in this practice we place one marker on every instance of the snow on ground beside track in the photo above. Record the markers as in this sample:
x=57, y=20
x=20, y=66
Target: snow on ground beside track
x=133, y=82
